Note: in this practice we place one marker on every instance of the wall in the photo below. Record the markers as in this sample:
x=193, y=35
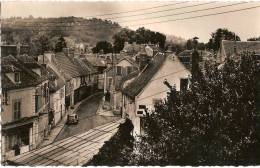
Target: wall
x=57, y=100
x=27, y=103
x=173, y=71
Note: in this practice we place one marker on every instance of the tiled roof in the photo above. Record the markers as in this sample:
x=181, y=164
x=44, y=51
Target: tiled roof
x=27, y=77
x=126, y=78
x=28, y=61
x=137, y=85
x=240, y=46
x=186, y=55
x=90, y=66
x=86, y=67
x=66, y=65
x=10, y=68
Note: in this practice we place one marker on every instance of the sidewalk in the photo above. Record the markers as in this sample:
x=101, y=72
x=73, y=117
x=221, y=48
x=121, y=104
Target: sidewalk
x=57, y=129
x=108, y=112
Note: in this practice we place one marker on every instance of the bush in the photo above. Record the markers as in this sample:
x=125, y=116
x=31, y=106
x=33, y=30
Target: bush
x=117, y=150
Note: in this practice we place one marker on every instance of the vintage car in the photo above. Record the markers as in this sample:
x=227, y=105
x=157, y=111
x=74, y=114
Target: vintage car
x=72, y=119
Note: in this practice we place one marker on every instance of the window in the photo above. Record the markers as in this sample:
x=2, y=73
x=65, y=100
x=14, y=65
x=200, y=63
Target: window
x=184, y=84
x=119, y=70
x=129, y=69
x=17, y=77
x=142, y=106
x=17, y=109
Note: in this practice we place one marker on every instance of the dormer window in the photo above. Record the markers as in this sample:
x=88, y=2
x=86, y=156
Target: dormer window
x=17, y=77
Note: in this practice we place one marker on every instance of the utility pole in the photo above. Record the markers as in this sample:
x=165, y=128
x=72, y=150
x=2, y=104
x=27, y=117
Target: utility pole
x=114, y=78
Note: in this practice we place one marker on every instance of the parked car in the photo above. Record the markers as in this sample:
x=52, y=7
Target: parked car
x=72, y=119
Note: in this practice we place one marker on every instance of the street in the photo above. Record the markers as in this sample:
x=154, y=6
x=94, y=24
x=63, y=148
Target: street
x=88, y=118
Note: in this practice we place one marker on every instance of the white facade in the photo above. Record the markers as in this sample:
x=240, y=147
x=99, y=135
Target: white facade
x=173, y=71
x=57, y=103
x=28, y=129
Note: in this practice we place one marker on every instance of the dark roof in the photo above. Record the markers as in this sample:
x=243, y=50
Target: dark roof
x=10, y=68
x=85, y=69
x=252, y=46
x=28, y=61
x=126, y=78
x=137, y=85
x=27, y=76
x=186, y=55
x=90, y=66
x=67, y=66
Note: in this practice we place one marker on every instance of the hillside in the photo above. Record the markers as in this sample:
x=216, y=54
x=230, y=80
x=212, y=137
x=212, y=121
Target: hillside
x=77, y=29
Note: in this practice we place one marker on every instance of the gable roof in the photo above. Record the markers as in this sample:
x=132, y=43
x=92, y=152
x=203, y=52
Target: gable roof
x=186, y=55
x=66, y=65
x=228, y=46
x=127, y=58
x=89, y=65
x=137, y=85
x=126, y=78
x=84, y=68
x=27, y=76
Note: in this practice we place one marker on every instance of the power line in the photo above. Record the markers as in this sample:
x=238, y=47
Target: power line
x=130, y=11
x=93, y=16
x=200, y=16
x=76, y=30
x=200, y=10
x=160, y=11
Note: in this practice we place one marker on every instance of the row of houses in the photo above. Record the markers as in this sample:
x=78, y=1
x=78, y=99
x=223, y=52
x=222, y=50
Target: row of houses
x=37, y=92
x=135, y=83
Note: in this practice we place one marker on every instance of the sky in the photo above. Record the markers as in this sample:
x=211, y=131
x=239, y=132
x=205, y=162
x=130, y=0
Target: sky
x=244, y=23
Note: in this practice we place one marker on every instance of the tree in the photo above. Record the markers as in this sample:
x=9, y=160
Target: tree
x=102, y=45
x=60, y=44
x=216, y=37
x=117, y=150
x=189, y=44
x=121, y=37
x=254, y=39
x=140, y=36
x=40, y=44
x=212, y=124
